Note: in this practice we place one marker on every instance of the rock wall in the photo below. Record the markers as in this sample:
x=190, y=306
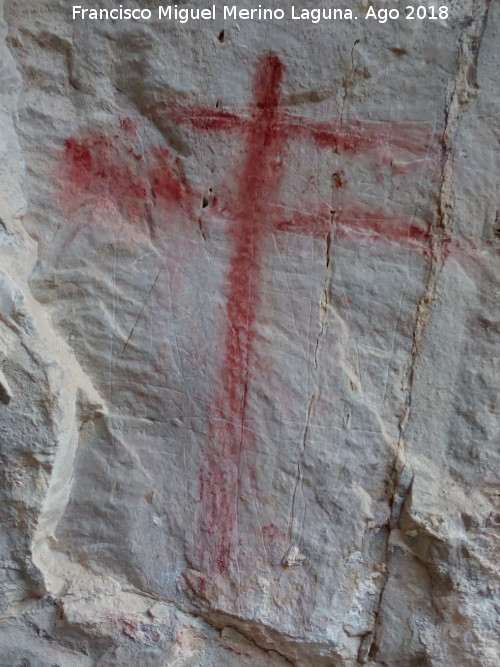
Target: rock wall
x=249, y=327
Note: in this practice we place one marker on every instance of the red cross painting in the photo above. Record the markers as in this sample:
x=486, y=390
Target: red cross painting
x=99, y=167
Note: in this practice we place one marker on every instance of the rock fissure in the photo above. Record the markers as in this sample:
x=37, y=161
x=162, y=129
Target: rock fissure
x=441, y=231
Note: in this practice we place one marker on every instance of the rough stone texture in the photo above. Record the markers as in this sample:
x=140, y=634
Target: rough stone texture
x=249, y=324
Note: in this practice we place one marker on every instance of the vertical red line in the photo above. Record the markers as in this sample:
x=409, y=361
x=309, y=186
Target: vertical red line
x=259, y=180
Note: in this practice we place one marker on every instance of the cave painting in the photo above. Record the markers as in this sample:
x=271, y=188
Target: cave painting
x=97, y=167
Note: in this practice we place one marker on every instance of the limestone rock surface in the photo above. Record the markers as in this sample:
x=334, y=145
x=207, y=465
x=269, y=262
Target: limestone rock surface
x=249, y=336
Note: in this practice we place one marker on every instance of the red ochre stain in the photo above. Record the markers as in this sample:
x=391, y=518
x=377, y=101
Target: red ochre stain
x=270, y=532
x=103, y=168
x=361, y=222
x=259, y=181
x=349, y=136
x=109, y=166
x=254, y=216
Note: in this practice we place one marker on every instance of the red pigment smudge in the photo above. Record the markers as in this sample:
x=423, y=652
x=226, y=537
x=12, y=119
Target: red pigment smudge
x=101, y=168
x=267, y=131
x=270, y=532
x=203, y=119
x=259, y=180
x=361, y=222
x=352, y=136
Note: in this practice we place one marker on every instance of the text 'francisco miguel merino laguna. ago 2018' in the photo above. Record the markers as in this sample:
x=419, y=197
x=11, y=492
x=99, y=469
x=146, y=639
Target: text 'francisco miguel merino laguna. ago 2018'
x=226, y=12
x=260, y=13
